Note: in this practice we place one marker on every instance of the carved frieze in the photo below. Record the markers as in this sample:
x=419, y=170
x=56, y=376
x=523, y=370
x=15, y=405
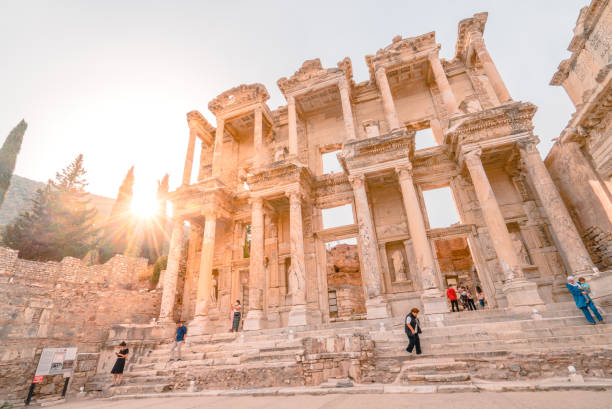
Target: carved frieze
x=487, y=125
x=238, y=97
x=278, y=174
x=312, y=72
x=366, y=152
x=401, y=49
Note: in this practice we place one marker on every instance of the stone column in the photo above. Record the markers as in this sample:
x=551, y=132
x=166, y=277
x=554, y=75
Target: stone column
x=297, y=271
x=292, y=124
x=189, y=157
x=218, y=148
x=166, y=313
x=442, y=82
x=574, y=252
x=387, y=99
x=371, y=275
x=254, y=318
x=203, y=302
x=258, y=137
x=433, y=299
x=518, y=291
x=347, y=112
x=489, y=67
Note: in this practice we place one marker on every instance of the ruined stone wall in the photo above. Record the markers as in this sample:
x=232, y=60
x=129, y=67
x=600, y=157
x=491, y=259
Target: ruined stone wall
x=344, y=277
x=64, y=304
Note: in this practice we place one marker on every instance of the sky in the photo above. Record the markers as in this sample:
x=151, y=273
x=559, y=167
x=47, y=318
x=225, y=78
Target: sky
x=113, y=80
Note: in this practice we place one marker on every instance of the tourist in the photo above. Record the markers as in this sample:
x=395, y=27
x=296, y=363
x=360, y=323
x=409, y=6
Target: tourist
x=236, y=312
x=179, y=340
x=117, y=370
x=481, y=296
x=413, y=329
x=583, y=301
x=452, y=297
x=470, y=299
x=463, y=298
x=583, y=285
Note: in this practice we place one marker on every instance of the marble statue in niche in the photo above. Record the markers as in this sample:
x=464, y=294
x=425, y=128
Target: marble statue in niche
x=399, y=267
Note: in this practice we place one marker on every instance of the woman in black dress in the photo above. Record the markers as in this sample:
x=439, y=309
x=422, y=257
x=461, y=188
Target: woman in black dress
x=117, y=370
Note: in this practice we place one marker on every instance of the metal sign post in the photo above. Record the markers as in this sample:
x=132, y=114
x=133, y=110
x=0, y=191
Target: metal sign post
x=54, y=361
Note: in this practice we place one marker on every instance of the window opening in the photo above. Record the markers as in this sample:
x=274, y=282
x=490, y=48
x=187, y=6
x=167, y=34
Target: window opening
x=441, y=207
x=338, y=216
x=424, y=138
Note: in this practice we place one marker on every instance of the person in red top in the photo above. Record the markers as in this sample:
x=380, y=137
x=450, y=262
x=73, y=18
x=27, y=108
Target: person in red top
x=452, y=296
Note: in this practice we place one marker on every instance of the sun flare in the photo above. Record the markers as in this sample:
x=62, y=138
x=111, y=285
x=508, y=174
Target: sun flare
x=144, y=205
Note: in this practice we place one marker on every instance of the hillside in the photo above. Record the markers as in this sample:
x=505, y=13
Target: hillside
x=19, y=199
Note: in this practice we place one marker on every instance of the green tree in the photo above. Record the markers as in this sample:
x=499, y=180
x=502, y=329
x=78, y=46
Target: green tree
x=119, y=231
x=61, y=222
x=8, y=156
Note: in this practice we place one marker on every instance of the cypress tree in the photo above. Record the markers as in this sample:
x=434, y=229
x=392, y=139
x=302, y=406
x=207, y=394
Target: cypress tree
x=8, y=156
x=61, y=222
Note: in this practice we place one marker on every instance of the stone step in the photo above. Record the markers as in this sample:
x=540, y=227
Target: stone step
x=397, y=348
x=409, y=378
x=137, y=389
x=529, y=331
x=433, y=366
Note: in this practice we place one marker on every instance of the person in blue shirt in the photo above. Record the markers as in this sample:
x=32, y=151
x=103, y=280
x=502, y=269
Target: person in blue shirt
x=179, y=340
x=583, y=301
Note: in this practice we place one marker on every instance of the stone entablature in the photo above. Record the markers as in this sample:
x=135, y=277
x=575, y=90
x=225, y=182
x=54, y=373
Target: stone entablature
x=489, y=129
x=238, y=98
x=379, y=153
x=312, y=74
x=402, y=51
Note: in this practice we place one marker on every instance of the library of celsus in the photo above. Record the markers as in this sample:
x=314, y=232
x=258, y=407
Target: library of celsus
x=256, y=202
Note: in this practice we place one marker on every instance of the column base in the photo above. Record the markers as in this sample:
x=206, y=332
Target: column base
x=434, y=302
x=201, y=325
x=253, y=321
x=297, y=316
x=377, y=308
x=601, y=287
x=522, y=295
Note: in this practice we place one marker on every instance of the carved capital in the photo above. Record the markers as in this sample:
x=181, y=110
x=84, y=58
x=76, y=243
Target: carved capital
x=357, y=181
x=380, y=74
x=528, y=145
x=472, y=158
x=404, y=172
x=290, y=100
x=294, y=196
x=210, y=214
x=256, y=203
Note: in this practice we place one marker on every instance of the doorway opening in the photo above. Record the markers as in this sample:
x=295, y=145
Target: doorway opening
x=345, y=287
x=459, y=270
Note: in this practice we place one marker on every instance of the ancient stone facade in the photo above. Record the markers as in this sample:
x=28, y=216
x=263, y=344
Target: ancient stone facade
x=585, y=145
x=64, y=304
x=256, y=203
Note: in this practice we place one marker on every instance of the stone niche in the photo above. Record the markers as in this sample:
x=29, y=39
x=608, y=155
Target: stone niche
x=346, y=296
x=399, y=270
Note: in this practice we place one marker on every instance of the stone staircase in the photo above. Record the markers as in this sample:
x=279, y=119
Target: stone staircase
x=485, y=344
x=489, y=341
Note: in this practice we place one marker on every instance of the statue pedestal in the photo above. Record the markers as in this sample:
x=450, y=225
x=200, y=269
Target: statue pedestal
x=377, y=308
x=523, y=295
x=253, y=321
x=297, y=316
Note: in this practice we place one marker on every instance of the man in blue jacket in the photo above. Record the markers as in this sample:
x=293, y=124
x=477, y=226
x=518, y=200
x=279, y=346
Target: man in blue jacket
x=583, y=301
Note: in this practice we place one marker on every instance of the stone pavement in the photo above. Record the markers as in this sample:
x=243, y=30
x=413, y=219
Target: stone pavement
x=485, y=400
